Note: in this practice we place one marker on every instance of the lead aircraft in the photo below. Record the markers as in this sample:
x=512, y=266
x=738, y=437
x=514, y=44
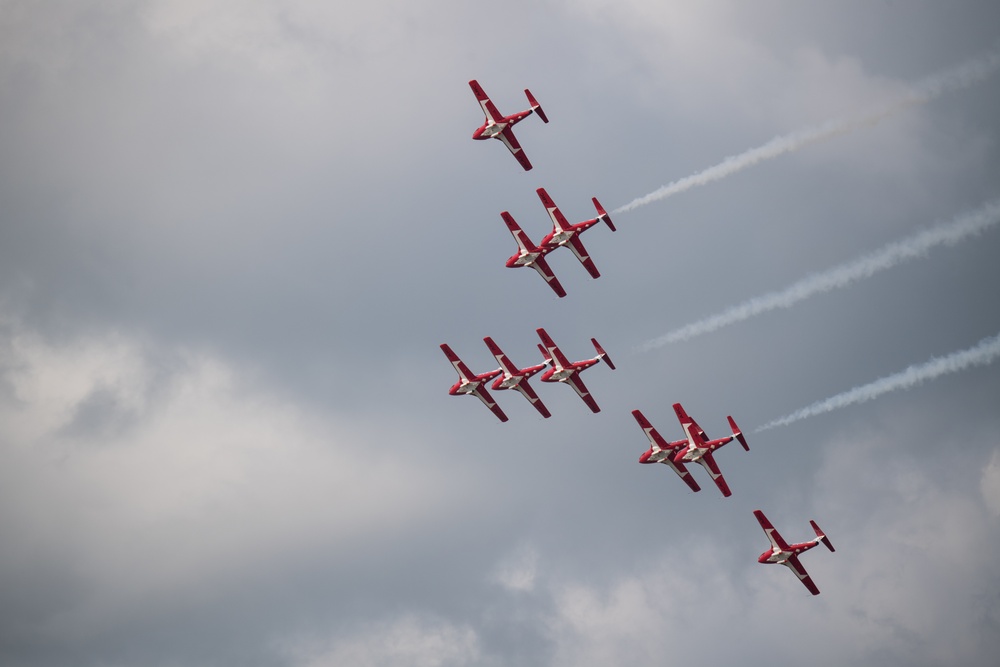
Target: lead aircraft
x=786, y=554
x=699, y=448
x=661, y=451
x=498, y=126
x=470, y=383
x=564, y=370
x=517, y=378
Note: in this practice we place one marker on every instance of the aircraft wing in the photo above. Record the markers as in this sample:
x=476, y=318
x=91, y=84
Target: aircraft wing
x=683, y=473
x=795, y=566
x=463, y=371
x=696, y=435
x=581, y=389
x=547, y=274
x=484, y=101
x=532, y=397
x=559, y=222
x=559, y=359
x=506, y=364
x=488, y=401
x=708, y=462
x=576, y=245
x=652, y=434
x=777, y=541
x=510, y=141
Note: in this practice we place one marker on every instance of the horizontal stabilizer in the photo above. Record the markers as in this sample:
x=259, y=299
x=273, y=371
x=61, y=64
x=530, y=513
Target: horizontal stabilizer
x=738, y=434
x=602, y=214
x=602, y=354
x=545, y=353
x=822, y=537
x=535, y=106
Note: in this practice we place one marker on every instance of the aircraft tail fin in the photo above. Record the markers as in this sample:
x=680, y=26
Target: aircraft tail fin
x=535, y=106
x=602, y=214
x=545, y=353
x=738, y=434
x=821, y=536
x=602, y=354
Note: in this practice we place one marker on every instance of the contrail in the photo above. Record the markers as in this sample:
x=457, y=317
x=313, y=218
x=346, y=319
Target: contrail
x=983, y=353
x=889, y=256
x=923, y=91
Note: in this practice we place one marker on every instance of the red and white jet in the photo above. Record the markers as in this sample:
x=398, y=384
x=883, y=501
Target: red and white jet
x=786, y=554
x=563, y=370
x=516, y=378
x=498, y=126
x=565, y=234
x=470, y=383
x=661, y=451
x=528, y=254
x=699, y=448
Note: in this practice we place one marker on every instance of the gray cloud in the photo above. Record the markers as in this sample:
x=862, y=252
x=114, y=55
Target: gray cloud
x=232, y=237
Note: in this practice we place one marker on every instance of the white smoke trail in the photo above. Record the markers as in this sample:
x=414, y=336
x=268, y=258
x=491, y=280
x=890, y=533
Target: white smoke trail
x=889, y=256
x=983, y=353
x=923, y=91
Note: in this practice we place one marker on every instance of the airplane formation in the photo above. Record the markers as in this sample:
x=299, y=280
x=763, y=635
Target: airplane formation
x=694, y=447
x=557, y=368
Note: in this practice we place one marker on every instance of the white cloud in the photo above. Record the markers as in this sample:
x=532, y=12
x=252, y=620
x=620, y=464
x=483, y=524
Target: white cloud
x=989, y=484
x=518, y=570
x=209, y=478
x=707, y=64
x=408, y=641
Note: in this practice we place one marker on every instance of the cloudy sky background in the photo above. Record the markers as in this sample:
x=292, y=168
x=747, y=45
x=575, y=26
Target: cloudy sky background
x=233, y=235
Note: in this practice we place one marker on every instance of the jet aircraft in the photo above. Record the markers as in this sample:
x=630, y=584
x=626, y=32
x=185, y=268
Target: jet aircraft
x=563, y=370
x=788, y=554
x=498, y=126
x=470, y=383
x=562, y=234
x=565, y=234
x=699, y=448
x=528, y=254
x=661, y=451
x=517, y=378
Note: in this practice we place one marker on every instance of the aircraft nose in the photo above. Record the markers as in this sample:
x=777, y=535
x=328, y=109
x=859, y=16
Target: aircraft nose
x=644, y=457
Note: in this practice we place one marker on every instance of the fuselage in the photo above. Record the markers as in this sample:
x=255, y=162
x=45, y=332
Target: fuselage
x=776, y=555
x=524, y=258
x=512, y=380
x=464, y=386
x=558, y=238
x=649, y=456
x=563, y=374
x=491, y=130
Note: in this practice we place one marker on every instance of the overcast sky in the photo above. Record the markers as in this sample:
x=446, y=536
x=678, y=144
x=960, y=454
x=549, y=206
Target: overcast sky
x=234, y=233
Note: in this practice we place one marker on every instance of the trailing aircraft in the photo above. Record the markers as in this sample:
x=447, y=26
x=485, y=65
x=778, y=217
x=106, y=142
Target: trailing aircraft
x=786, y=554
x=563, y=370
x=699, y=448
x=470, y=383
x=498, y=126
x=528, y=254
x=661, y=451
x=516, y=378
x=562, y=234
